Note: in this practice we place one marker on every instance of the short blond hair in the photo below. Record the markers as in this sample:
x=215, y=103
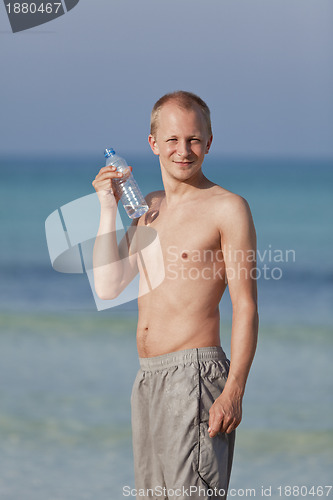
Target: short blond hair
x=184, y=99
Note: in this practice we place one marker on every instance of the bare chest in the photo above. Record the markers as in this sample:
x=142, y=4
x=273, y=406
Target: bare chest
x=187, y=235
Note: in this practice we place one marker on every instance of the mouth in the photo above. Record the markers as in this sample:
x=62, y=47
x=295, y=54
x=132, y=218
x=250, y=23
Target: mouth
x=183, y=163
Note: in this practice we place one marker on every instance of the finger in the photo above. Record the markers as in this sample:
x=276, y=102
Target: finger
x=104, y=180
x=214, y=424
x=111, y=167
x=105, y=171
x=108, y=175
x=231, y=427
x=212, y=421
x=107, y=168
x=228, y=422
x=106, y=185
x=213, y=431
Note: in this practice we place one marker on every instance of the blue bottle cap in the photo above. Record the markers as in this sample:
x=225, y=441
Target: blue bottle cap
x=109, y=152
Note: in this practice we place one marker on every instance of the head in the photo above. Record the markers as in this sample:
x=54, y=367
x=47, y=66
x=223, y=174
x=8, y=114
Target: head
x=185, y=100
x=181, y=133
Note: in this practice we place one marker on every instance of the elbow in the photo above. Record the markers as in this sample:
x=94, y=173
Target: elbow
x=107, y=294
x=256, y=320
x=247, y=308
x=249, y=305
x=106, y=289
x=255, y=316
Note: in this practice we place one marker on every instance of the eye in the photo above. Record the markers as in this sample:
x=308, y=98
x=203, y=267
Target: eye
x=172, y=140
x=195, y=140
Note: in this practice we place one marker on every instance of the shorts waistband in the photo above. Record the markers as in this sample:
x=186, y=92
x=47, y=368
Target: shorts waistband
x=186, y=356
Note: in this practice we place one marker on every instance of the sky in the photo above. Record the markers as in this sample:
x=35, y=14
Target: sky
x=89, y=79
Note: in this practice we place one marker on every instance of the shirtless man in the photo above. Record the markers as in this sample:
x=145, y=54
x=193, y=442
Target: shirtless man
x=187, y=397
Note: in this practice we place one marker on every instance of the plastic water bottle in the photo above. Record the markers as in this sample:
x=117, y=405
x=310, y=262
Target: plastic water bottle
x=126, y=187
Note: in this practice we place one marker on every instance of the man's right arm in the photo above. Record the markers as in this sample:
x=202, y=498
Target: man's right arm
x=114, y=265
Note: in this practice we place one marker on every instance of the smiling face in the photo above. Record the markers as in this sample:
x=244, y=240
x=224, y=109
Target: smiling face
x=181, y=140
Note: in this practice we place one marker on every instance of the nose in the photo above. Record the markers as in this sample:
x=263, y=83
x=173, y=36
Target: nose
x=183, y=148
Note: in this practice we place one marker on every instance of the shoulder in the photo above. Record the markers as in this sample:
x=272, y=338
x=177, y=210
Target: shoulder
x=232, y=211
x=229, y=202
x=154, y=198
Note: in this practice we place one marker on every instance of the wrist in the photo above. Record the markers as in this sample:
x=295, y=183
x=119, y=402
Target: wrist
x=107, y=222
x=107, y=199
x=234, y=386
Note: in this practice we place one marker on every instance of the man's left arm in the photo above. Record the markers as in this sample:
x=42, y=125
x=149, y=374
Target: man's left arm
x=238, y=242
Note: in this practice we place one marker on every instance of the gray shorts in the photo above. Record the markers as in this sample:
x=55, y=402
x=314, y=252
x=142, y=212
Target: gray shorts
x=174, y=457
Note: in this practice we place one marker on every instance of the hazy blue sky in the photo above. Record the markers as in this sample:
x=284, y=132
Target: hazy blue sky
x=89, y=78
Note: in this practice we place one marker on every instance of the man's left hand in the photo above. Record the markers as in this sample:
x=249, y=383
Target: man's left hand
x=225, y=414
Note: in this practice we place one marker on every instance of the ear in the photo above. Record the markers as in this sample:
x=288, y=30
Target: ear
x=209, y=143
x=153, y=145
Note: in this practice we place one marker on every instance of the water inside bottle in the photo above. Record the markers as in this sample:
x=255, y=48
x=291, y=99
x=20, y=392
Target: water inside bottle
x=135, y=213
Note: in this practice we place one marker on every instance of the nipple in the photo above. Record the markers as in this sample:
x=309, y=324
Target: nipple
x=184, y=255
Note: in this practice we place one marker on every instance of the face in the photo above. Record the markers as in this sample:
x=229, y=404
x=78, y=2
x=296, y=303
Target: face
x=181, y=141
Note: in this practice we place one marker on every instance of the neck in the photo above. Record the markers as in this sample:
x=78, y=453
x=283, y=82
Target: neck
x=179, y=191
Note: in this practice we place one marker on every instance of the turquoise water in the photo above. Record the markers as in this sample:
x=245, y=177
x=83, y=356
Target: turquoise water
x=65, y=410
x=291, y=202
x=66, y=370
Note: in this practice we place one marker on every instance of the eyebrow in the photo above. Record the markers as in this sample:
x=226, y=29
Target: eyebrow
x=174, y=136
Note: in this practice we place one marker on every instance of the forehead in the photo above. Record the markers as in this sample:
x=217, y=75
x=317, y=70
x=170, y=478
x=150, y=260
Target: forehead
x=176, y=120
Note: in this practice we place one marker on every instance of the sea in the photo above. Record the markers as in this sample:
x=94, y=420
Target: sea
x=67, y=367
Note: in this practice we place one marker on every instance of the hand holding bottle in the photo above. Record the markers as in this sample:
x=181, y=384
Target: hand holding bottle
x=102, y=183
x=125, y=187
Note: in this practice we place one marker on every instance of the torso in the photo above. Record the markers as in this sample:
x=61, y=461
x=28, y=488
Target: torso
x=182, y=311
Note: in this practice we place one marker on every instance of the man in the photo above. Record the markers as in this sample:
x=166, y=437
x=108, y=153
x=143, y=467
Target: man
x=187, y=397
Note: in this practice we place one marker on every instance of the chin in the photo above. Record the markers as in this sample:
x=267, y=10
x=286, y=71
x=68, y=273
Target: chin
x=185, y=175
